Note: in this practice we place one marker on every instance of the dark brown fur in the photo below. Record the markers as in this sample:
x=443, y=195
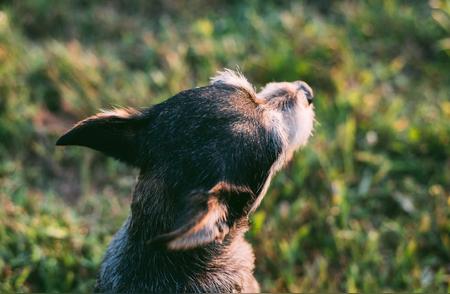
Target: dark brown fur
x=206, y=156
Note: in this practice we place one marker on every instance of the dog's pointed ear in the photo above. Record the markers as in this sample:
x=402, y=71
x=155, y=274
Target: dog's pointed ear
x=206, y=217
x=114, y=133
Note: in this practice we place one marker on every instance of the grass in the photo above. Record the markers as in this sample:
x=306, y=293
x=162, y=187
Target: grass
x=364, y=208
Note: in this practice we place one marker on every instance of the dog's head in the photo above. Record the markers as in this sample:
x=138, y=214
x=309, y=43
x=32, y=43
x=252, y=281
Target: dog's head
x=212, y=150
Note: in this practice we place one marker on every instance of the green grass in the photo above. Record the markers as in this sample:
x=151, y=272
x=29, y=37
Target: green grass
x=364, y=207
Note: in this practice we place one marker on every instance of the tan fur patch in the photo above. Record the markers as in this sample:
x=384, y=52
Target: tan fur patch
x=125, y=112
x=118, y=112
x=206, y=229
x=236, y=79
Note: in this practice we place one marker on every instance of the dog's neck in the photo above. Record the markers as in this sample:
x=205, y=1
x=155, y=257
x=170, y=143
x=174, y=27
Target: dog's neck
x=152, y=212
x=132, y=265
x=215, y=267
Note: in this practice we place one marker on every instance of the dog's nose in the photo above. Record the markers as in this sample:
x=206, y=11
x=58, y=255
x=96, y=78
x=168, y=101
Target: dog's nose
x=307, y=90
x=309, y=97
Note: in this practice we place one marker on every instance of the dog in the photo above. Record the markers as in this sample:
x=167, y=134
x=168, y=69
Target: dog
x=206, y=158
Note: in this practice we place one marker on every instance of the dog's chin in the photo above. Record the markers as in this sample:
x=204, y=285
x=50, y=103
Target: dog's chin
x=301, y=127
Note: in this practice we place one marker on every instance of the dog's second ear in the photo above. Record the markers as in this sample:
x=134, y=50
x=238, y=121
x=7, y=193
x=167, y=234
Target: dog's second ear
x=113, y=133
x=205, y=219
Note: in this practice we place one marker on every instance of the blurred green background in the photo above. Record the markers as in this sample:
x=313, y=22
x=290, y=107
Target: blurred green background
x=364, y=207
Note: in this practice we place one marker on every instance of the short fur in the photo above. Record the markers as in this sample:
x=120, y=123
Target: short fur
x=206, y=157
